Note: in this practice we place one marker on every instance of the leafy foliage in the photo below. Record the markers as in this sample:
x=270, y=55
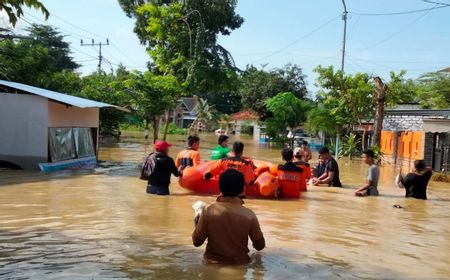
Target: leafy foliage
x=13, y=8
x=58, y=49
x=350, y=146
x=258, y=85
x=44, y=62
x=288, y=111
x=181, y=38
x=102, y=87
x=434, y=90
x=348, y=99
x=151, y=94
x=400, y=90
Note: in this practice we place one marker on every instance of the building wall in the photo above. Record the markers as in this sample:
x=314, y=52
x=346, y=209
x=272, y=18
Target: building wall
x=23, y=129
x=406, y=145
x=402, y=123
x=406, y=138
x=60, y=115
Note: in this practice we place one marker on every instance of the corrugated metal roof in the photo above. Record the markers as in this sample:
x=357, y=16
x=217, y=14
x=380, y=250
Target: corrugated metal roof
x=60, y=97
x=445, y=113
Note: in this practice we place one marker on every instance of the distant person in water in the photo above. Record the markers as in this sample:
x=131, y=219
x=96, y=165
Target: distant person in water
x=221, y=151
x=373, y=173
x=228, y=225
x=190, y=156
x=298, y=160
x=164, y=166
x=320, y=168
x=415, y=183
x=331, y=175
x=305, y=152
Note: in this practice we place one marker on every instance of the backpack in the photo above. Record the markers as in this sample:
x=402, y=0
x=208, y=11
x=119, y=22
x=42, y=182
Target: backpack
x=148, y=167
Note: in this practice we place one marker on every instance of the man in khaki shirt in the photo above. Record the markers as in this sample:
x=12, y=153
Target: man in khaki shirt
x=228, y=224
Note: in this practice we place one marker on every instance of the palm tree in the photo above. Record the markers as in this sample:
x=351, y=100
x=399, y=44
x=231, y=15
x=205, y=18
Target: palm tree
x=203, y=113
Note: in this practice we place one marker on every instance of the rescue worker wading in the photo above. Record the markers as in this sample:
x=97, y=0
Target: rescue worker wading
x=190, y=156
x=237, y=162
x=290, y=175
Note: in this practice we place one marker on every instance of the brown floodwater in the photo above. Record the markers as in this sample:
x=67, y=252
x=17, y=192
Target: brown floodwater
x=101, y=225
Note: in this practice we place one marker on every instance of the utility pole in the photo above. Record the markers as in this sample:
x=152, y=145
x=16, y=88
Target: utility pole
x=344, y=18
x=100, y=44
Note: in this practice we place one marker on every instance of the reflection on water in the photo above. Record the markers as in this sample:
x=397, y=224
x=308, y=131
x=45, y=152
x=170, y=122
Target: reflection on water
x=100, y=224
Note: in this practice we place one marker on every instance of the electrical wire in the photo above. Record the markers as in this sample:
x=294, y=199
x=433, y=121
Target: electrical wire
x=394, y=34
x=298, y=40
x=401, y=13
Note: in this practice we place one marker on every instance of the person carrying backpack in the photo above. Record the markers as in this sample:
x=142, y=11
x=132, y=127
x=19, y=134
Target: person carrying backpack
x=157, y=169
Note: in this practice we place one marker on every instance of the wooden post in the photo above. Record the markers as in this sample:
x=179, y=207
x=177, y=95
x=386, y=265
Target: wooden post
x=380, y=89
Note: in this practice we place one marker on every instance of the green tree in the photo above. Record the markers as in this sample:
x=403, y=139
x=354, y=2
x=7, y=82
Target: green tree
x=44, y=62
x=13, y=8
x=204, y=113
x=103, y=87
x=288, y=112
x=258, y=85
x=58, y=49
x=320, y=119
x=434, y=90
x=181, y=38
x=151, y=96
x=400, y=90
x=23, y=62
x=349, y=99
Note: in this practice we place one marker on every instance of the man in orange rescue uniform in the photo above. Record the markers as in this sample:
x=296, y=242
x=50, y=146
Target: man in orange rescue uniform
x=190, y=156
x=291, y=176
x=237, y=162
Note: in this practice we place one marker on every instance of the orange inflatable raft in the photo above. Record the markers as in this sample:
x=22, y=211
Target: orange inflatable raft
x=266, y=185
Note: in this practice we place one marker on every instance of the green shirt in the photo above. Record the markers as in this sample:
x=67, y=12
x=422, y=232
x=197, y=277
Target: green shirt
x=219, y=152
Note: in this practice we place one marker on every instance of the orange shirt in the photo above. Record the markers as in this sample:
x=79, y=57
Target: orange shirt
x=245, y=166
x=187, y=158
x=292, y=180
x=227, y=225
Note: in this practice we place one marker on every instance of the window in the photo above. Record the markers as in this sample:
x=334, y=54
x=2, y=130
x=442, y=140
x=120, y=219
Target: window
x=69, y=143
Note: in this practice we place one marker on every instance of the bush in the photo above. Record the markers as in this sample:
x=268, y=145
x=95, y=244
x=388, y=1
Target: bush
x=173, y=129
x=350, y=145
x=441, y=176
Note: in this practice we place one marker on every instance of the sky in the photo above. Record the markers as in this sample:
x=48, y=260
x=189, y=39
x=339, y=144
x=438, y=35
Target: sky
x=303, y=32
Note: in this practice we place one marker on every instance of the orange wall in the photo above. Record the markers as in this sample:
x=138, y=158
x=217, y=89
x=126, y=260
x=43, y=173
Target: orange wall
x=409, y=145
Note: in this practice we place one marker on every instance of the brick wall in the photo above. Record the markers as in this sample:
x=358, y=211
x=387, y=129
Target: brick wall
x=402, y=123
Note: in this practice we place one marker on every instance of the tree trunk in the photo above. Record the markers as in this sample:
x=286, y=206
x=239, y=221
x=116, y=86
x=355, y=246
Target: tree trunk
x=166, y=124
x=155, y=128
x=364, y=135
x=379, y=113
x=146, y=128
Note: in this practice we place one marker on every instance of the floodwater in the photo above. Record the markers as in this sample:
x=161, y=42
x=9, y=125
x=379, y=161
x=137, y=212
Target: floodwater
x=102, y=225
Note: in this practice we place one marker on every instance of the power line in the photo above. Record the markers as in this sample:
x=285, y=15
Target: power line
x=400, y=61
x=82, y=36
x=298, y=40
x=80, y=28
x=123, y=54
x=402, y=13
x=395, y=33
x=44, y=22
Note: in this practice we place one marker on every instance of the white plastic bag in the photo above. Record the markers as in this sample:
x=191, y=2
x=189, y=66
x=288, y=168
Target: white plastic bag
x=198, y=206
